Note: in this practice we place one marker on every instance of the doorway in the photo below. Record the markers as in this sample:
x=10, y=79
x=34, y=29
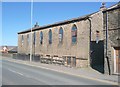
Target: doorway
x=97, y=56
x=117, y=60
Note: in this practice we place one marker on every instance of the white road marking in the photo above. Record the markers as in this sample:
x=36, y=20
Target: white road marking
x=19, y=73
x=16, y=72
x=90, y=78
x=27, y=76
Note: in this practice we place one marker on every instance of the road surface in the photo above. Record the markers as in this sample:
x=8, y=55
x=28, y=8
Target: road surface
x=20, y=74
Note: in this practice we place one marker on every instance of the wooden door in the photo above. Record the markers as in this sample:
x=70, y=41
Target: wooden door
x=117, y=52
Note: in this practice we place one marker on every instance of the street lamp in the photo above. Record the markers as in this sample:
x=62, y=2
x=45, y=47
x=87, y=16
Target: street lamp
x=31, y=30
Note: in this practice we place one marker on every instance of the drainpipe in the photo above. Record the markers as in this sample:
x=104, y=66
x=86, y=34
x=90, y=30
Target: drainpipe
x=107, y=58
x=89, y=40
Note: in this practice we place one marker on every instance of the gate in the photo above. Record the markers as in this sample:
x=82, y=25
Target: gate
x=97, y=56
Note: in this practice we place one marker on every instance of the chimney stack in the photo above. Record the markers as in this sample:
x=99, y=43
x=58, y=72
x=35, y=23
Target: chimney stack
x=103, y=7
x=36, y=25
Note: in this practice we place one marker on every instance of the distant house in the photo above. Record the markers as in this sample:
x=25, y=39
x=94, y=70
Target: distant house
x=13, y=50
x=8, y=49
x=4, y=49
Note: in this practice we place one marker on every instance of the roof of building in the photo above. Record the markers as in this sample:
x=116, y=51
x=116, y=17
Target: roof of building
x=14, y=49
x=8, y=47
x=117, y=5
x=58, y=23
x=113, y=7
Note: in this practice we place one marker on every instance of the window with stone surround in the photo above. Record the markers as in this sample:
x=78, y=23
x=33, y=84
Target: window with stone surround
x=28, y=39
x=41, y=37
x=22, y=40
x=34, y=38
x=50, y=36
x=60, y=35
x=97, y=36
x=74, y=34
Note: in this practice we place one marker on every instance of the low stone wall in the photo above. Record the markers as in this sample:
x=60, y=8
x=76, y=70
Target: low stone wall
x=69, y=61
x=81, y=63
x=66, y=60
x=7, y=54
x=26, y=57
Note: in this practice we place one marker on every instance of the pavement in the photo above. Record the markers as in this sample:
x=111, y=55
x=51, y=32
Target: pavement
x=87, y=74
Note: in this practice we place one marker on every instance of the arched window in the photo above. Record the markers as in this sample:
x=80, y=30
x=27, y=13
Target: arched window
x=74, y=34
x=41, y=37
x=34, y=38
x=28, y=38
x=61, y=35
x=22, y=39
x=50, y=36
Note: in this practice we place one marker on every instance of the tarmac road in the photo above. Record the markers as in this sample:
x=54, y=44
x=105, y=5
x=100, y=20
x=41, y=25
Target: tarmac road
x=20, y=74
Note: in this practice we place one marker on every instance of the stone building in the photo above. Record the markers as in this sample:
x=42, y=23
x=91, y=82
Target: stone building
x=78, y=42
x=112, y=39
